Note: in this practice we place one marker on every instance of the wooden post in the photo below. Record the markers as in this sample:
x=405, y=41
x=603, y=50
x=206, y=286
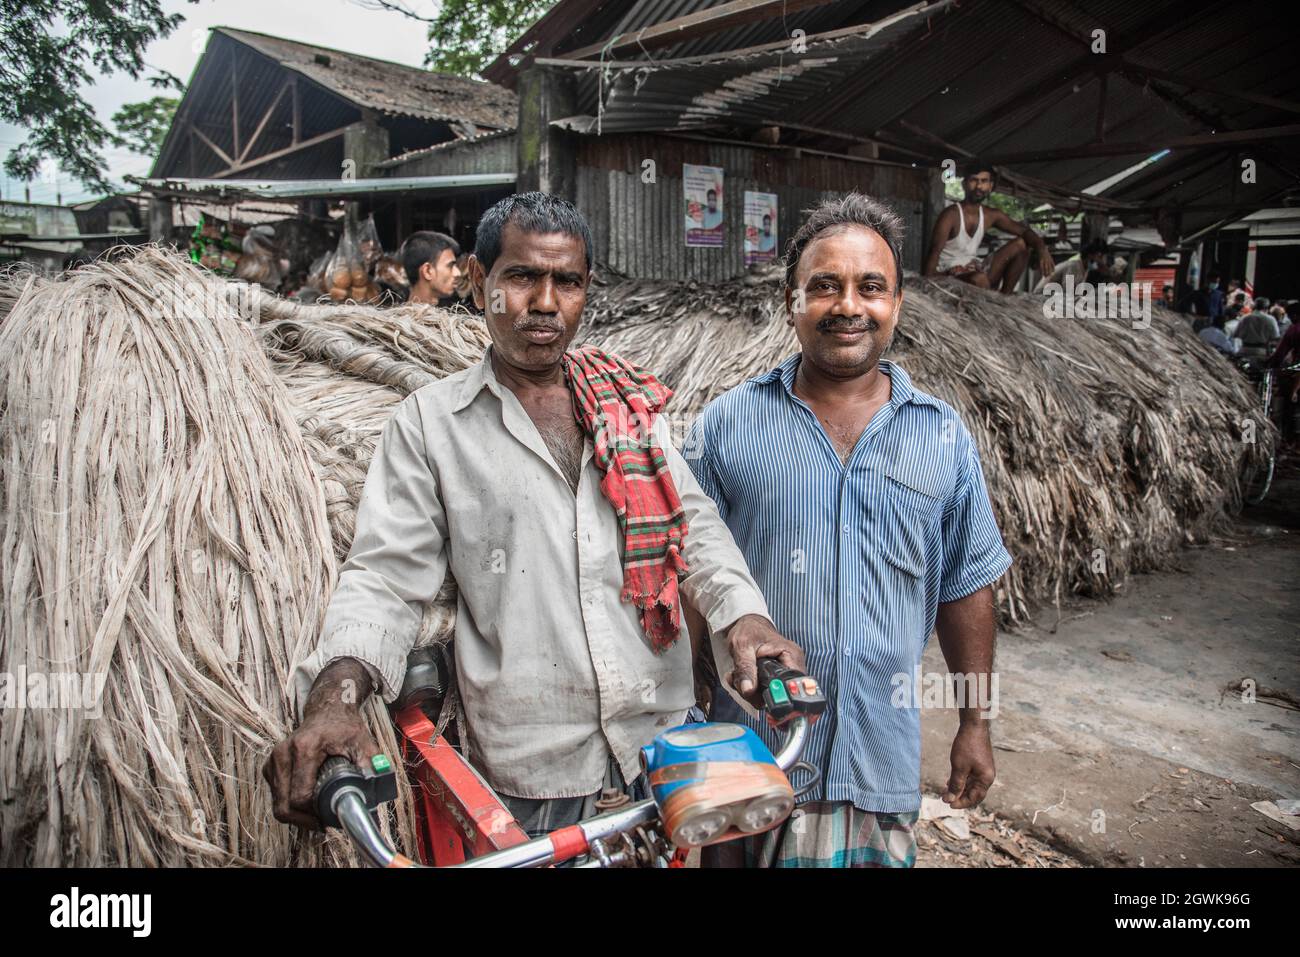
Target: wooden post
x=160, y=220
x=547, y=157
x=399, y=222
x=1095, y=226
x=935, y=202
x=365, y=144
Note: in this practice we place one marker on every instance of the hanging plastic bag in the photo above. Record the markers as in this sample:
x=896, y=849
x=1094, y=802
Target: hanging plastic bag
x=368, y=244
x=260, y=262
x=346, y=272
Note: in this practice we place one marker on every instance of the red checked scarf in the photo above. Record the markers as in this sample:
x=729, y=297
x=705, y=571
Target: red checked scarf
x=615, y=403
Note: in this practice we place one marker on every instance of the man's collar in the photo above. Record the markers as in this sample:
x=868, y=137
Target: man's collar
x=901, y=391
x=481, y=376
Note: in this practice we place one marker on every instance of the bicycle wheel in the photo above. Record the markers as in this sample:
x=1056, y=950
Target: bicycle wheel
x=1257, y=478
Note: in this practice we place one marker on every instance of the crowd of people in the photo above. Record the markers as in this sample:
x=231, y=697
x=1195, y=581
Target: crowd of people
x=1251, y=327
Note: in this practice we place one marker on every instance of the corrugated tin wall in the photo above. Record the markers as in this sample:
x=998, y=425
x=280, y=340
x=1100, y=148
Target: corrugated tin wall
x=639, y=230
x=491, y=154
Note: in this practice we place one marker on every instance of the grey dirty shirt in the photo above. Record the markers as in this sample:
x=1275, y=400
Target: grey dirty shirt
x=555, y=670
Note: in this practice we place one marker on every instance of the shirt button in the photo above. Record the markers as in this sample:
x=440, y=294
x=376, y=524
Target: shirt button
x=846, y=529
x=574, y=535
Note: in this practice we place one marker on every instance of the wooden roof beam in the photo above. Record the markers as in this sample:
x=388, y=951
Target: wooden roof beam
x=1123, y=149
x=276, y=154
x=1149, y=30
x=1208, y=86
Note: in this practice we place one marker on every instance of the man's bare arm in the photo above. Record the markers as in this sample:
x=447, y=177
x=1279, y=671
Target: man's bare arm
x=939, y=237
x=1002, y=221
x=966, y=630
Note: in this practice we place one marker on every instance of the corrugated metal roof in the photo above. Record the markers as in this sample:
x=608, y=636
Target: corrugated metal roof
x=987, y=77
x=312, y=188
x=448, y=146
x=386, y=87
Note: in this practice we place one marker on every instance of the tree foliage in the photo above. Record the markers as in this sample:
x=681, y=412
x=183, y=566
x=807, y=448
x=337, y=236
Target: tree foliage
x=142, y=127
x=467, y=35
x=49, y=51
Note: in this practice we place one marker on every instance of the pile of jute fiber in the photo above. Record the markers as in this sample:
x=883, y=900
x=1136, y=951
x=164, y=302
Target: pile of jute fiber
x=164, y=532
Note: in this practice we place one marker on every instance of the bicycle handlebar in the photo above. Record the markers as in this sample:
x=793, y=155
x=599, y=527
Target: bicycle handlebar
x=345, y=794
x=549, y=848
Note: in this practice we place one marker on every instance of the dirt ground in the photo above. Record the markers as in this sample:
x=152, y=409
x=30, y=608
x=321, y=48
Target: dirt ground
x=1123, y=738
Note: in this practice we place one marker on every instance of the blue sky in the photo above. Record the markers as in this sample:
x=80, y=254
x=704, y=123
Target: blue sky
x=343, y=24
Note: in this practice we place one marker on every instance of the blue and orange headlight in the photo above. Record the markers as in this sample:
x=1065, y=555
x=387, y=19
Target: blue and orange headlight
x=714, y=782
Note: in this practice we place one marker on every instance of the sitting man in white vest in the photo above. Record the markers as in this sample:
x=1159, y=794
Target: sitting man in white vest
x=959, y=232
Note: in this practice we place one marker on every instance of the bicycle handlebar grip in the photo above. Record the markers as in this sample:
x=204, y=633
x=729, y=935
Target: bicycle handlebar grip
x=377, y=784
x=333, y=774
x=787, y=692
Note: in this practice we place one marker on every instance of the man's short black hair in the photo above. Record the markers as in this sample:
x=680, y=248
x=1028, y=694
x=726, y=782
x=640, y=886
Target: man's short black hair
x=712, y=192
x=531, y=213
x=1214, y=278
x=425, y=247
x=976, y=165
x=1096, y=247
x=854, y=209
x=1261, y=304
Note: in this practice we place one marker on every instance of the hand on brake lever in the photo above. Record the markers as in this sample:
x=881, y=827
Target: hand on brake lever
x=332, y=726
x=753, y=637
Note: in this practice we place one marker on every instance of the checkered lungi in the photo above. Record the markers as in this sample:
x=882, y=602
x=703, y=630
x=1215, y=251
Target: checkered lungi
x=835, y=834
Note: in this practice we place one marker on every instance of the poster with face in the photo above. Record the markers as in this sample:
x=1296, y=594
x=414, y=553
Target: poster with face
x=702, y=189
x=760, y=227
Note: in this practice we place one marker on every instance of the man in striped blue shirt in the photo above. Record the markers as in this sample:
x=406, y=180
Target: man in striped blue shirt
x=860, y=506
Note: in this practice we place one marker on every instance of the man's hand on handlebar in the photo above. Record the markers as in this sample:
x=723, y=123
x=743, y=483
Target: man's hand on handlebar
x=753, y=637
x=332, y=725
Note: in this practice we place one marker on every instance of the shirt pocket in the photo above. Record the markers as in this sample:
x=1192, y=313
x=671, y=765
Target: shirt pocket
x=904, y=599
x=914, y=488
x=914, y=508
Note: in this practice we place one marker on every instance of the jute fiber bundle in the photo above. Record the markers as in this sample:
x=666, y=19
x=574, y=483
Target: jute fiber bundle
x=164, y=531
x=346, y=368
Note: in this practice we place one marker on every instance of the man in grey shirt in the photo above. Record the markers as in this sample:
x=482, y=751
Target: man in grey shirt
x=489, y=474
x=1257, y=330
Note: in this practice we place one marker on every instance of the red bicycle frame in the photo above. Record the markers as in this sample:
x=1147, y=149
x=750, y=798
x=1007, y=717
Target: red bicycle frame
x=458, y=815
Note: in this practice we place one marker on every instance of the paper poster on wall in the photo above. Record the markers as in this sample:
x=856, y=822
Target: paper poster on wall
x=760, y=227
x=702, y=187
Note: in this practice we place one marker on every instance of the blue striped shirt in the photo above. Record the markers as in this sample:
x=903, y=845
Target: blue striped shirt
x=852, y=558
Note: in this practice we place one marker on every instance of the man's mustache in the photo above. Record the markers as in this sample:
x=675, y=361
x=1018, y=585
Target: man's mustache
x=538, y=323
x=843, y=324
